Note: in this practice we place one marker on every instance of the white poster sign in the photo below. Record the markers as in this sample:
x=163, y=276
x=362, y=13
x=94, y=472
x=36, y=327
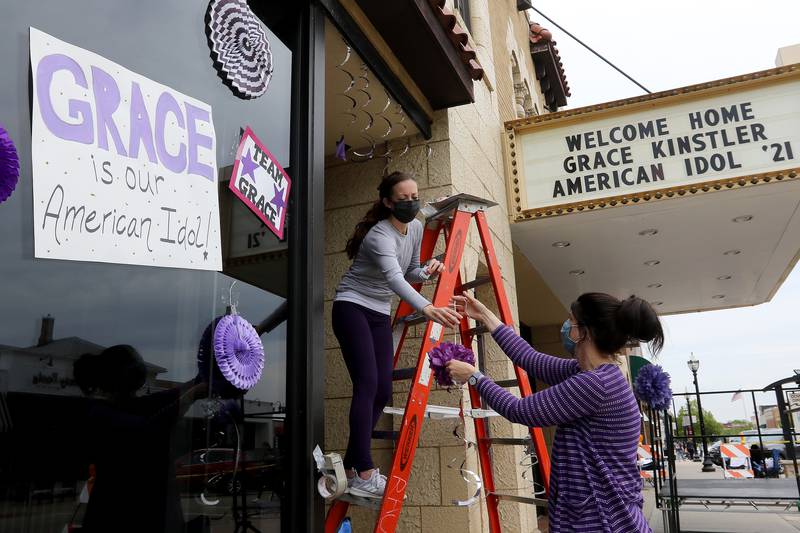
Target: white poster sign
x=794, y=399
x=249, y=235
x=124, y=168
x=670, y=142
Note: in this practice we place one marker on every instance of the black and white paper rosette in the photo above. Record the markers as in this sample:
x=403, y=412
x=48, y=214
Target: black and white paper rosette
x=239, y=47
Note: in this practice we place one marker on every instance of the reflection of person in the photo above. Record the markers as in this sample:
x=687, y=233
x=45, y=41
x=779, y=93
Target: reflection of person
x=128, y=441
x=385, y=252
x=595, y=484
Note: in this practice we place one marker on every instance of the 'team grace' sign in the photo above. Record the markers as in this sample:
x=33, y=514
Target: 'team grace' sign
x=124, y=168
x=260, y=182
x=700, y=135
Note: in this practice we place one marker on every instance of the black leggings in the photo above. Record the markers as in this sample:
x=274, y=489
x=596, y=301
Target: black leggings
x=365, y=337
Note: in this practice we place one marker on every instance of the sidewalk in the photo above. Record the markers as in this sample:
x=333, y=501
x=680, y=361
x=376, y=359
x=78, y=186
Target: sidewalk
x=696, y=518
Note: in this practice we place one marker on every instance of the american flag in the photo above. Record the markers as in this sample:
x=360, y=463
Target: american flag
x=736, y=396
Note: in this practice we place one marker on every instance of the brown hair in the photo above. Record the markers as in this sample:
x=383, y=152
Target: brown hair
x=377, y=212
x=612, y=323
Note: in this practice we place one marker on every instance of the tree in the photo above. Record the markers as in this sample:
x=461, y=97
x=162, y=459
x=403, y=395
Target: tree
x=713, y=427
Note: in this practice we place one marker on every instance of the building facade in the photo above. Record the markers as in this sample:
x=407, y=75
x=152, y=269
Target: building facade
x=129, y=236
x=158, y=103
x=463, y=155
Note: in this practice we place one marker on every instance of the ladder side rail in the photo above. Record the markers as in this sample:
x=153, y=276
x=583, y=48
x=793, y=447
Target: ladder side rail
x=481, y=437
x=506, y=317
x=336, y=515
x=418, y=396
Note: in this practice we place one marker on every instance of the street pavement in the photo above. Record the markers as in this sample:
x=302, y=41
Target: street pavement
x=697, y=518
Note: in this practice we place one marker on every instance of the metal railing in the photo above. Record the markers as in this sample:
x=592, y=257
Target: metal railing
x=663, y=439
x=790, y=433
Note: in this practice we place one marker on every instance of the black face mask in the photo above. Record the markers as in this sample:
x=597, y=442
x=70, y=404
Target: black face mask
x=405, y=211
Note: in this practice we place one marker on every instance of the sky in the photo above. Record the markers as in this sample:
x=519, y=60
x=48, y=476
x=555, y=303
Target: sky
x=669, y=45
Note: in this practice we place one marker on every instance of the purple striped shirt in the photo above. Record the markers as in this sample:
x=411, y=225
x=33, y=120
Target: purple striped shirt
x=594, y=483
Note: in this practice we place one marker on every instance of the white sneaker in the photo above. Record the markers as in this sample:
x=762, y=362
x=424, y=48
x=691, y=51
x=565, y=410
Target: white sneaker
x=368, y=488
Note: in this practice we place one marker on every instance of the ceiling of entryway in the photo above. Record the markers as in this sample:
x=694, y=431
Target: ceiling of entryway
x=356, y=103
x=712, y=251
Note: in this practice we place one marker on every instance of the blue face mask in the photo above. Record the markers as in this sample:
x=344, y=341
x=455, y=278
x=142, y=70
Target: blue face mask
x=569, y=344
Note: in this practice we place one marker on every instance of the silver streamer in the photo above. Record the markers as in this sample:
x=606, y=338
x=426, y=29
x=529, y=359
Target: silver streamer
x=370, y=117
x=363, y=75
x=467, y=475
x=368, y=95
x=389, y=123
x=367, y=155
x=528, y=462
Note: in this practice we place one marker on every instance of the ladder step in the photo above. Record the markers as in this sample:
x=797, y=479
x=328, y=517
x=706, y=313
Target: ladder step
x=477, y=282
x=509, y=441
x=444, y=411
x=519, y=499
x=508, y=382
x=385, y=435
x=371, y=503
x=447, y=206
x=399, y=374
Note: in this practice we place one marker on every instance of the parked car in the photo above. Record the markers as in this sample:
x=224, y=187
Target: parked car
x=213, y=469
x=649, y=464
x=714, y=453
x=771, y=437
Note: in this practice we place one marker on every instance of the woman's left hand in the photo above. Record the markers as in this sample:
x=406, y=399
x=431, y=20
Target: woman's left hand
x=434, y=268
x=459, y=370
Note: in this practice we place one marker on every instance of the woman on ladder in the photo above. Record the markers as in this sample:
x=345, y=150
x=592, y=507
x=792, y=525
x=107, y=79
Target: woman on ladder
x=385, y=252
x=595, y=484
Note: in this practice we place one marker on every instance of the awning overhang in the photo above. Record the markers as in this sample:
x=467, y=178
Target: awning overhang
x=426, y=38
x=706, y=259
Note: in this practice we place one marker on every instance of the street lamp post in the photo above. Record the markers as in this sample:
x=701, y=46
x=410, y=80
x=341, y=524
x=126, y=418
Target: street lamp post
x=691, y=426
x=694, y=365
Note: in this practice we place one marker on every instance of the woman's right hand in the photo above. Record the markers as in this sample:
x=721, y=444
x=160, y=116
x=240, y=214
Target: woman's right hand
x=445, y=316
x=476, y=310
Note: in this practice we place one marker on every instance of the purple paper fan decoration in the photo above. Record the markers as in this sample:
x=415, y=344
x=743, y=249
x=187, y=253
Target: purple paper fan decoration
x=9, y=165
x=239, y=352
x=445, y=352
x=652, y=386
x=239, y=47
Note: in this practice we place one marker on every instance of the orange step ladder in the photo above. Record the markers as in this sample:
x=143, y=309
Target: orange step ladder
x=452, y=216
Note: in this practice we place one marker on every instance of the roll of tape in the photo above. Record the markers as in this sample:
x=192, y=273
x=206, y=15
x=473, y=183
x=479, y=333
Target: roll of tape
x=326, y=486
x=333, y=482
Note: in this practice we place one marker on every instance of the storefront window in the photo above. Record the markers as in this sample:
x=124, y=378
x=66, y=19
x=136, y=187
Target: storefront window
x=160, y=457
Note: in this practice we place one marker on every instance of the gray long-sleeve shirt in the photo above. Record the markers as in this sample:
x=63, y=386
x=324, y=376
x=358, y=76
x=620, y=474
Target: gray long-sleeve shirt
x=386, y=264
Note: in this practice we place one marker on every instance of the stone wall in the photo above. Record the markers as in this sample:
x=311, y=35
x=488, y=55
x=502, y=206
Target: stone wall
x=464, y=155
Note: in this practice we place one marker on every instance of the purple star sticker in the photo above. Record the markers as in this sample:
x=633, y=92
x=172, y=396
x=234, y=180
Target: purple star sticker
x=278, y=201
x=249, y=166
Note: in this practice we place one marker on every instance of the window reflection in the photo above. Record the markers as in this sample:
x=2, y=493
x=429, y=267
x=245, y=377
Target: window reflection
x=150, y=453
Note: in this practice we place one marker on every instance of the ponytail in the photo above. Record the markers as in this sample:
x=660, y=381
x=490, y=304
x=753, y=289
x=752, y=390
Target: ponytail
x=613, y=323
x=639, y=321
x=376, y=213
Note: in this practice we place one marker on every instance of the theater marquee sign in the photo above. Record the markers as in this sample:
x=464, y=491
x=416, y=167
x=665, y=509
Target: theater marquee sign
x=729, y=133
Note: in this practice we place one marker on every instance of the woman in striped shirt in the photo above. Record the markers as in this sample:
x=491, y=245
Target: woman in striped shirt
x=594, y=484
